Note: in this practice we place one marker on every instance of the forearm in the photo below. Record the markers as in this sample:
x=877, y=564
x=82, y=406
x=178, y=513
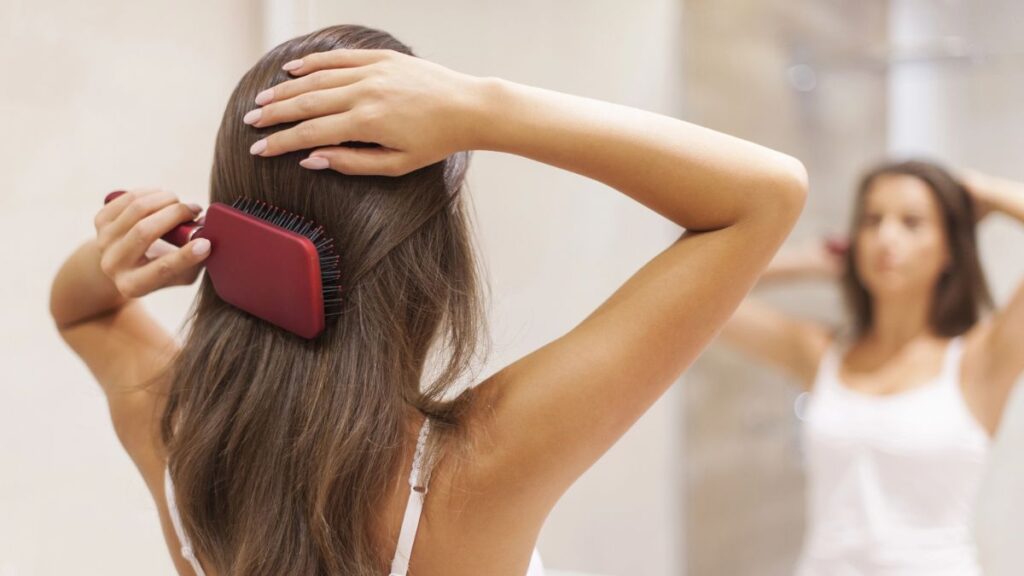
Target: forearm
x=81, y=290
x=787, y=266
x=800, y=265
x=698, y=178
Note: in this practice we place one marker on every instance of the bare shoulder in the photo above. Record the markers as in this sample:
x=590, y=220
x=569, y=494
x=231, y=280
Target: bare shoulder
x=470, y=505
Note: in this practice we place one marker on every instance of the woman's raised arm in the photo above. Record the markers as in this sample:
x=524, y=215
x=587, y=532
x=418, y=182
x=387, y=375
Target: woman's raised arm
x=546, y=418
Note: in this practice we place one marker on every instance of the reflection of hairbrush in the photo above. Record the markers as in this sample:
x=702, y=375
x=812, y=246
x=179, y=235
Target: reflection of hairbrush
x=837, y=245
x=271, y=263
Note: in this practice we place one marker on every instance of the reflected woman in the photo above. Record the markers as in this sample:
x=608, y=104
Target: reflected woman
x=903, y=402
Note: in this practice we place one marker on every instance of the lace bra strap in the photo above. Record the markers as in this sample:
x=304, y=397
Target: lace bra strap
x=418, y=480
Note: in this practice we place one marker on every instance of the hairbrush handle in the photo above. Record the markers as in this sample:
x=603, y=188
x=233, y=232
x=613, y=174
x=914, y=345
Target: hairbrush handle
x=179, y=235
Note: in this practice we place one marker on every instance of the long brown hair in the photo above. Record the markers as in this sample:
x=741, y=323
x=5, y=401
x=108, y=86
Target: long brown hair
x=961, y=293
x=282, y=448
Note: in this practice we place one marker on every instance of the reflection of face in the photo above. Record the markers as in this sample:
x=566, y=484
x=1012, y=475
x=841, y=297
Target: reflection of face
x=901, y=242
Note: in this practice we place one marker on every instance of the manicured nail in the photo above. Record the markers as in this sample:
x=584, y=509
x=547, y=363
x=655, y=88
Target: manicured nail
x=314, y=163
x=252, y=116
x=195, y=208
x=202, y=246
x=265, y=97
x=258, y=147
x=292, y=65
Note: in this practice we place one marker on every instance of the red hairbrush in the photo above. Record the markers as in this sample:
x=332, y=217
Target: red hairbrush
x=273, y=264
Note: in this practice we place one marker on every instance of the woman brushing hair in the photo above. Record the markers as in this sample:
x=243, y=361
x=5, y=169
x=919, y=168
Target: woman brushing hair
x=269, y=454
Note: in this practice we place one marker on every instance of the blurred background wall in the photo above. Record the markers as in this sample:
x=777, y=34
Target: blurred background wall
x=97, y=96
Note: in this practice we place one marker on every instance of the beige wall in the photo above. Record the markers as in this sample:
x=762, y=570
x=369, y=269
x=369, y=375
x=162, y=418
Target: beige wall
x=96, y=96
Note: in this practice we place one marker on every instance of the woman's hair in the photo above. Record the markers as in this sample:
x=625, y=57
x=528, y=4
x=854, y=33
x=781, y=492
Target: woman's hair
x=281, y=449
x=961, y=293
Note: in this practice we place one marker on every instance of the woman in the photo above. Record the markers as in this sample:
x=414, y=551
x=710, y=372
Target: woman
x=903, y=404
x=286, y=456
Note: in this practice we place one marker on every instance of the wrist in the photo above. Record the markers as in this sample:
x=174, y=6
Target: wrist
x=480, y=111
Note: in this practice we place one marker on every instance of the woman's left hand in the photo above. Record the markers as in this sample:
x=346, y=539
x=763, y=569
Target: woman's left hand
x=415, y=111
x=979, y=187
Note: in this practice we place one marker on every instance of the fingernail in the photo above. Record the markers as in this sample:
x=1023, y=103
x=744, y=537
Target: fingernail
x=252, y=116
x=202, y=246
x=265, y=96
x=195, y=208
x=258, y=147
x=314, y=163
x=292, y=65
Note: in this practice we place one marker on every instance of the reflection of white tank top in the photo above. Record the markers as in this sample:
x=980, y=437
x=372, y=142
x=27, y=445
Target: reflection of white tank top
x=892, y=480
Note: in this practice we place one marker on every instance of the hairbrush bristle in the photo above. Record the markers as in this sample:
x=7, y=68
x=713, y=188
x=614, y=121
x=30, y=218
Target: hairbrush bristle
x=330, y=275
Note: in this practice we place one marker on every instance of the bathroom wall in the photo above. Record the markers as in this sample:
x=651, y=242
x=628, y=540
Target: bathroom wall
x=97, y=95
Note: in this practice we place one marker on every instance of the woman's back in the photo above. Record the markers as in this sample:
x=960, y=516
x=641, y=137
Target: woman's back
x=409, y=536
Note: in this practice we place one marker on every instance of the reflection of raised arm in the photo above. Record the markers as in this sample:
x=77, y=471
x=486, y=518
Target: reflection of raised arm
x=1000, y=340
x=792, y=344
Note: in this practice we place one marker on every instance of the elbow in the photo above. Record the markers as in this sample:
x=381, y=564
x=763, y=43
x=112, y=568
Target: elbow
x=56, y=312
x=787, y=192
x=793, y=186
x=58, y=307
x=60, y=311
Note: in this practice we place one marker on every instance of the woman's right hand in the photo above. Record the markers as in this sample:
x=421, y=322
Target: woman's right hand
x=416, y=111
x=128, y=230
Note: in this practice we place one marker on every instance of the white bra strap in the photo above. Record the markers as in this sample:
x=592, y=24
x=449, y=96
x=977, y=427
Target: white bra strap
x=179, y=529
x=829, y=365
x=418, y=480
x=951, y=360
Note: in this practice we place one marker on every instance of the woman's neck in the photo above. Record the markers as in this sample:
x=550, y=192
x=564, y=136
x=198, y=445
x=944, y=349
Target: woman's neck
x=899, y=319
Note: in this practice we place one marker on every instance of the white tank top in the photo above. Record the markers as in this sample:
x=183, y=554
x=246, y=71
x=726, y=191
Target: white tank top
x=418, y=484
x=892, y=480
